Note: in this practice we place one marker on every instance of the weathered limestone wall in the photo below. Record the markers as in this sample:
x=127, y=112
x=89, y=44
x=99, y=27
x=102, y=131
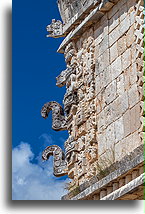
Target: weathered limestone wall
x=124, y=182
x=103, y=103
x=72, y=9
x=118, y=80
x=108, y=121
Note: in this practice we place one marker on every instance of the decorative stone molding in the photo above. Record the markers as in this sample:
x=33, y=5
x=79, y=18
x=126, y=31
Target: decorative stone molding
x=58, y=117
x=95, y=15
x=117, y=171
x=70, y=98
x=132, y=185
x=71, y=9
x=59, y=163
x=139, y=40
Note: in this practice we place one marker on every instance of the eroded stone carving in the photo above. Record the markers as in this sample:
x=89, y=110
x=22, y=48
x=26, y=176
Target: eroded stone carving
x=71, y=149
x=91, y=67
x=59, y=163
x=55, y=29
x=81, y=164
x=64, y=75
x=70, y=53
x=91, y=154
x=61, y=79
x=140, y=60
x=58, y=117
x=70, y=99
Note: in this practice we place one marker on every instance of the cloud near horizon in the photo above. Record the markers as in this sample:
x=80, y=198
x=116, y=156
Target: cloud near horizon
x=34, y=181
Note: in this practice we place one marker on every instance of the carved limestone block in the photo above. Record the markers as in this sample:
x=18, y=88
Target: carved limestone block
x=71, y=145
x=82, y=130
x=71, y=172
x=90, y=91
x=89, y=78
x=80, y=55
x=81, y=143
x=91, y=171
x=81, y=93
x=73, y=184
x=74, y=61
x=139, y=35
x=71, y=150
x=81, y=164
x=91, y=123
x=90, y=63
x=91, y=154
x=79, y=81
x=71, y=83
x=86, y=112
x=71, y=158
x=91, y=137
x=71, y=120
x=80, y=119
x=69, y=53
x=64, y=75
x=73, y=109
x=61, y=79
x=70, y=99
x=91, y=107
x=90, y=50
x=74, y=131
x=58, y=118
x=79, y=71
x=59, y=163
x=55, y=29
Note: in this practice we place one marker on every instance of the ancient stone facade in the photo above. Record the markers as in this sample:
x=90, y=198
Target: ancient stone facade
x=103, y=103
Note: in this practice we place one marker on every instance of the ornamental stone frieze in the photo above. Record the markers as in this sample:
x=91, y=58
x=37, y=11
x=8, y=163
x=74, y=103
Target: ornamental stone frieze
x=104, y=99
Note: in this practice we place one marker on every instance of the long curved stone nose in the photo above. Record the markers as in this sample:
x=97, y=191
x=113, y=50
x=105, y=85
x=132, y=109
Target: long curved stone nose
x=59, y=162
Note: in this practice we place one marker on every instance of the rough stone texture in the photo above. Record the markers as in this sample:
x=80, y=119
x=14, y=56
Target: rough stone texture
x=103, y=103
x=60, y=165
x=55, y=29
x=119, y=170
x=59, y=121
x=116, y=68
x=126, y=189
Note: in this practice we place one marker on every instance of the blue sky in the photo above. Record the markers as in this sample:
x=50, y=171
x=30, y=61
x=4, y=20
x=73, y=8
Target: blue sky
x=36, y=64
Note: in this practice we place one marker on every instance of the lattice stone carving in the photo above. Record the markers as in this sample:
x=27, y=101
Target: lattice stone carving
x=139, y=36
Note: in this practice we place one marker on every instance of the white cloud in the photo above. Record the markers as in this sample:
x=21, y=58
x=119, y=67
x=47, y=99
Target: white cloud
x=31, y=181
x=47, y=139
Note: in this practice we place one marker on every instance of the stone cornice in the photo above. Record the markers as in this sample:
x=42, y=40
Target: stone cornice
x=126, y=188
x=92, y=17
x=129, y=162
x=79, y=16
